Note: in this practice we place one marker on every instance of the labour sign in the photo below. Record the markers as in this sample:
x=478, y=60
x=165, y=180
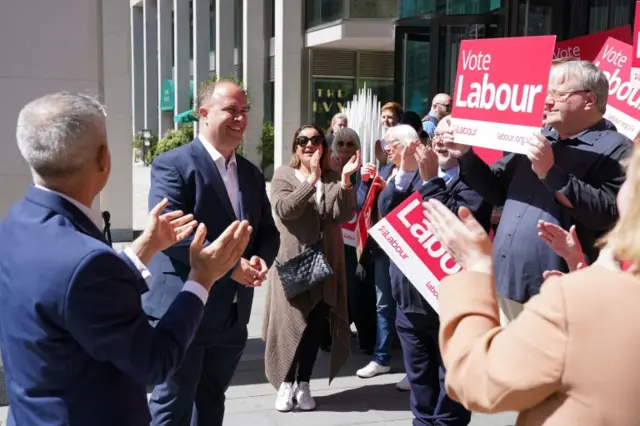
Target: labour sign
x=635, y=59
x=404, y=237
x=501, y=86
x=349, y=234
x=623, y=103
x=587, y=47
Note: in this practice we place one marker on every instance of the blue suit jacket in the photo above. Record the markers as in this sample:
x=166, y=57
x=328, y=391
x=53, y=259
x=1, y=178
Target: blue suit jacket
x=77, y=346
x=454, y=195
x=190, y=180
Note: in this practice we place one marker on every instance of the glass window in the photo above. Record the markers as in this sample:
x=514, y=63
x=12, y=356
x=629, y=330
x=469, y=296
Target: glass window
x=320, y=12
x=416, y=75
x=410, y=8
x=606, y=14
x=269, y=102
x=328, y=97
x=535, y=19
x=383, y=89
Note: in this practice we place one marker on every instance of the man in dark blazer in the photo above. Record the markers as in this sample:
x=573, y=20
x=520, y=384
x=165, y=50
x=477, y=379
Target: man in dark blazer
x=434, y=173
x=77, y=346
x=206, y=178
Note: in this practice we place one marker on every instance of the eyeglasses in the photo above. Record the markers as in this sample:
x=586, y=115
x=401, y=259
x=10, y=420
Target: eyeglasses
x=347, y=144
x=304, y=140
x=446, y=106
x=557, y=96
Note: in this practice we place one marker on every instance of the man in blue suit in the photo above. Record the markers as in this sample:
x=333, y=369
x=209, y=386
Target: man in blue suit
x=208, y=179
x=434, y=174
x=77, y=346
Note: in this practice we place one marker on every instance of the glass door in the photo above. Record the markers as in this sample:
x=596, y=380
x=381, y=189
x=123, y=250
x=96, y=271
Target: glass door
x=427, y=55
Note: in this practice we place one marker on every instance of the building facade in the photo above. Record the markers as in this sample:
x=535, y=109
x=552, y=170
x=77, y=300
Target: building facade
x=74, y=45
x=300, y=60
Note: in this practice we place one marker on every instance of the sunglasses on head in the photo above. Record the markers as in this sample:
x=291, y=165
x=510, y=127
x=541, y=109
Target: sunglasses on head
x=347, y=144
x=304, y=140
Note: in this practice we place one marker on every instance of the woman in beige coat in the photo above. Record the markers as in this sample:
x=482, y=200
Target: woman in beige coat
x=300, y=193
x=571, y=356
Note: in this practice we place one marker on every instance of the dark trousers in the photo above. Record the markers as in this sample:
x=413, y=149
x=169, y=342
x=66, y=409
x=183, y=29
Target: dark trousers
x=194, y=394
x=429, y=402
x=307, y=351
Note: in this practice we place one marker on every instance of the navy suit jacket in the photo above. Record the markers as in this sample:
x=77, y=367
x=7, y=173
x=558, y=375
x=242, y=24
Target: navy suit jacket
x=77, y=346
x=188, y=177
x=453, y=195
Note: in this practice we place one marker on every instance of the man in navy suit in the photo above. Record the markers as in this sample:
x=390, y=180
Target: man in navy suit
x=434, y=173
x=208, y=179
x=77, y=346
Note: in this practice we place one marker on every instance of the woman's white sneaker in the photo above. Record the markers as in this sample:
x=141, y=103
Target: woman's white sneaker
x=304, y=398
x=284, y=401
x=372, y=369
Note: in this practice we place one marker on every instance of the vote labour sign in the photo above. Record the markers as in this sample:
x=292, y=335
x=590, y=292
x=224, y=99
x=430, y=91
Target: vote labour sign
x=500, y=91
x=587, y=47
x=635, y=58
x=404, y=237
x=623, y=104
x=365, y=219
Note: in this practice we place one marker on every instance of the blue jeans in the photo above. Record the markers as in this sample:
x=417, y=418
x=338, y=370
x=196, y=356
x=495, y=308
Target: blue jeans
x=385, y=308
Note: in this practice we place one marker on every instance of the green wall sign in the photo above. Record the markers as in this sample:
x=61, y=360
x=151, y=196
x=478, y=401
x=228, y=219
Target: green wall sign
x=167, y=96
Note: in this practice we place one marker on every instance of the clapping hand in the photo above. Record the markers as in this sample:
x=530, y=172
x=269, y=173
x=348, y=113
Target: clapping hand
x=463, y=237
x=162, y=231
x=210, y=263
x=564, y=244
x=408, y=159
x=352, y=165
x=316, y=168
x=427, y=162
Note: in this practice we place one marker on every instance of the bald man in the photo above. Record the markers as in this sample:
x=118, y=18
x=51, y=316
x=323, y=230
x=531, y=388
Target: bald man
x=208, y=179
x=440, y=108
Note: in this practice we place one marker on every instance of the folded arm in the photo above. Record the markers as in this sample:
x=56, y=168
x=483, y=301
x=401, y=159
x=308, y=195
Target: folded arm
x=490, y=368
x=104, y=314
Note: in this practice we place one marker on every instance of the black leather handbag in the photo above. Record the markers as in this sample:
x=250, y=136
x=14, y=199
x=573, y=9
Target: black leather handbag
x=305, y=270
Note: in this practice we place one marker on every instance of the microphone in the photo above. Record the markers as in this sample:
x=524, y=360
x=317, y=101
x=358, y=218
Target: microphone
x=106, y=217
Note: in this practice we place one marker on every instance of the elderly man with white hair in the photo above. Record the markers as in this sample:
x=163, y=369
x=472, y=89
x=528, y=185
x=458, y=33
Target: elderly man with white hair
x=570, y=175
x=77, y=347
x=433, y=173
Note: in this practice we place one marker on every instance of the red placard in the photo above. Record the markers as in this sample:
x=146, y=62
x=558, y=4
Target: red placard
x=587, y=47
x=349, y=234
x=500, y=91
x=364, y=222
x=622, y=105
x=404, y=236
x=635, y=60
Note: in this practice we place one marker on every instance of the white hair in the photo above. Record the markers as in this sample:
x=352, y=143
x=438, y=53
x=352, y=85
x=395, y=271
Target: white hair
x=340, y=116
x=402, y=133
x=587, y=75
x=345, y=133
x=59, y=133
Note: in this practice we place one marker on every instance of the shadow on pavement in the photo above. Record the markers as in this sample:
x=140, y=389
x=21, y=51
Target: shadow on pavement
x=381, y=397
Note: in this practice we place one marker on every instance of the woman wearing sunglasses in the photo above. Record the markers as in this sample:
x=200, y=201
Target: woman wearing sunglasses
x=310, y=201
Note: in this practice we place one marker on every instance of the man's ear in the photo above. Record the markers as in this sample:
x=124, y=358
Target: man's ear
x=103, y=158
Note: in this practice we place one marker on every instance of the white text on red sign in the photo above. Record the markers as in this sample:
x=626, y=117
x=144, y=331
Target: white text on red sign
x=485, y=95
